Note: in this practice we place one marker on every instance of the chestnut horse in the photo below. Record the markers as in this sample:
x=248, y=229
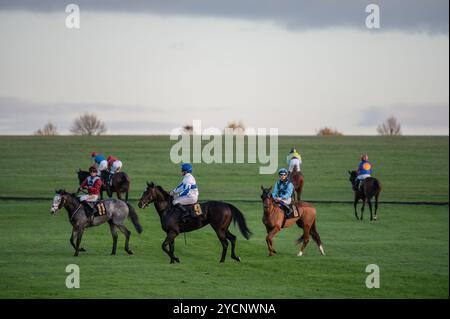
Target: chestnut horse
x=274, y=219
x=297, y=179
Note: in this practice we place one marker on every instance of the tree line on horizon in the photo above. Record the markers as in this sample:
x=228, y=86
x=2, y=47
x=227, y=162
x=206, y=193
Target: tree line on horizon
x=89, y=125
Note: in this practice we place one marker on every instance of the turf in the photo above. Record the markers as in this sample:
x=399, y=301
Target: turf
x=409, y=242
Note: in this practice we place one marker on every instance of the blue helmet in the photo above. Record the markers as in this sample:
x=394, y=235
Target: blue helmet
x=186, y=168
x=282, y=171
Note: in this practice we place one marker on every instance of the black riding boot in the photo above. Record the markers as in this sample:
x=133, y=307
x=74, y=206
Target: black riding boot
x=89, y=210
x=184, y=213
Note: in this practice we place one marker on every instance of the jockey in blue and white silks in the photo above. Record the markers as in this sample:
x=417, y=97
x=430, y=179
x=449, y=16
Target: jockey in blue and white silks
x=282, y=191
x=186, y=192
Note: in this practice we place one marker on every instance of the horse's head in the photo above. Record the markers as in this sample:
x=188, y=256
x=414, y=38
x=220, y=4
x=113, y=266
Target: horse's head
x=266, y=196
x=82, y=175
x=148, y=196
x=353, y=176
x=58, y=201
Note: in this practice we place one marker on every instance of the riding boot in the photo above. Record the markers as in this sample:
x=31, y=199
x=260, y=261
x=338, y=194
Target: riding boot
x=184, y=213
x=89, y=211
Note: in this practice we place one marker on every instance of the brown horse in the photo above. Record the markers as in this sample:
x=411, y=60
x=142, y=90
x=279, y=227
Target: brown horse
x=297, y=179
x=274, y=219
x=370, y=187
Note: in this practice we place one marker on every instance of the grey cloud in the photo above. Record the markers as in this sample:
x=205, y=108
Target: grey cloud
x=406, y=15
x=414, y=116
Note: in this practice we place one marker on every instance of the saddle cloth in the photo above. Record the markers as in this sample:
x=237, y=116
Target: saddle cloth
x=194, y=209
x=98, y=208
x=295, y=211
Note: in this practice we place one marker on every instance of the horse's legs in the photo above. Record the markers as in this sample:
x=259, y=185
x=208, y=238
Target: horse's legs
x=118, y=195
x=170, y=241
x=112, y=228
x=316, y=237
x=305, y=236
x=223, y=240
x=79, y=234
x=355, y=203
x=269, y=241
x=232, y=239
x=370, y=208
x=362, y=208
x=376, y=205
x=72, y=240
x=126, y=196
x=127, y=234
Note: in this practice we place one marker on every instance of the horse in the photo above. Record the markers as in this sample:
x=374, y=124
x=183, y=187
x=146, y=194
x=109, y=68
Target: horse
x=216, y=213
x=120, y=183
x=297, y=179
x=116, y=213
x=274, y=219
x=370, y=187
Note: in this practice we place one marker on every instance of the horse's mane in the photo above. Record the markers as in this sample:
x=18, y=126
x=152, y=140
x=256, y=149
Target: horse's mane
x=163, y=192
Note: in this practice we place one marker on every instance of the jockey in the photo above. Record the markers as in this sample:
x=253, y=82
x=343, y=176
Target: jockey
x=93, y=184
x=114, y=166
x=364, y=170
x=100, y=162
x=186, y=192
x=294, y=160
x=282, y=191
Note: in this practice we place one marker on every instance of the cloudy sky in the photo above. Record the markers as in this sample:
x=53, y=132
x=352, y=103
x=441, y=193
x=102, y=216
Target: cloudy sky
x=146, y=67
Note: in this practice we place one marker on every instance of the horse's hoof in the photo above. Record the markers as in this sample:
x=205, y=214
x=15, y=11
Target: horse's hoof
x=300, y=254
x=237, y=258
x=129, y=251
x=113, y=253
x=177, y=260
x=75, y=255
x=82, y=249
x=274, y=251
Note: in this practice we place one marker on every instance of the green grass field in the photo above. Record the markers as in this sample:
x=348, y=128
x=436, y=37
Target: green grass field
x=409, y=242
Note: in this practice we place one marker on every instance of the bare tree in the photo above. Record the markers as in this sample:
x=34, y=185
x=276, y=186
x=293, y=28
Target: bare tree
x=238, y=128
x=88, y=124
x=328, y=131
x=390, y=127
x=49, y=129
x=188, y=129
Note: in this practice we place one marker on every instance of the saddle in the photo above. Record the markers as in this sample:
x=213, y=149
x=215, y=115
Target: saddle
x=192, y=210
x=97, y=209
x=294, y=213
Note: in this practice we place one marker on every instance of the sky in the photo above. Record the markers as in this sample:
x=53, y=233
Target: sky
x=147, y=67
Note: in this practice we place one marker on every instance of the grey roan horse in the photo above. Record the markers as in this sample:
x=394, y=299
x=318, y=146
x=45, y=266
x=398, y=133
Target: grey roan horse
x=116, y=213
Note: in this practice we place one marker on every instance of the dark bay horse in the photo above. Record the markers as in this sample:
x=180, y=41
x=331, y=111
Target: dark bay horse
x=274, y=219
x=369, y=188
x=297, y=179
x=120, y=183
x=217, y=214
x=117, y=212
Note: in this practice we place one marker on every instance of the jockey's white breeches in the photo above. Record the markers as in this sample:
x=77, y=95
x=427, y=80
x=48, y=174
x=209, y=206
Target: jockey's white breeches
x=287, y=201
x=295, y=162
x=89, y=198
x=115, y=167
x=102, y=166
x=186, y=200
x=362, y=176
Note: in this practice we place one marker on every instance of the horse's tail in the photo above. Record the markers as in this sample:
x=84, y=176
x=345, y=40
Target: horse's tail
x=134, y=218
x=239, y=218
